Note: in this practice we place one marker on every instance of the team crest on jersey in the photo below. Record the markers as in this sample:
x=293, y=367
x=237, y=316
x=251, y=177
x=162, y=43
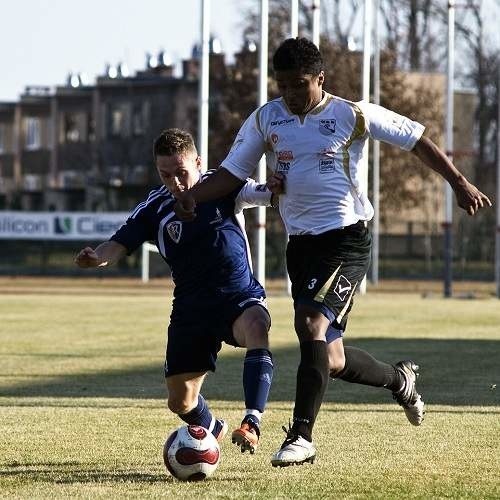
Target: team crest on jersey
x=342, y=287
x=274, y=138
x=327, y=127
x=174, y=230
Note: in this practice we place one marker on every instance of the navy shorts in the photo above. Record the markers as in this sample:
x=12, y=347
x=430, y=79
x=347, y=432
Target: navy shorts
x=195, y=336
x=326, y=269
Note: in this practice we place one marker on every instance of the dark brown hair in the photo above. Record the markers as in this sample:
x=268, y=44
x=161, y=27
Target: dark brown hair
x=173, y=141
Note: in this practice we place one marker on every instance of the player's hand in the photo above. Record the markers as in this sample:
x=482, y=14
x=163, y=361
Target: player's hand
x=185, y=207
x=470, y=198
x=87, y=258
x=276, y=183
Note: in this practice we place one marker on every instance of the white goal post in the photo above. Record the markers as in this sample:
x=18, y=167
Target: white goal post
x=146, y=248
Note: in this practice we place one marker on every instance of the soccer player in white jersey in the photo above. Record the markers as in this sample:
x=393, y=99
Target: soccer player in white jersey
x=216, y=297
x=313, y=142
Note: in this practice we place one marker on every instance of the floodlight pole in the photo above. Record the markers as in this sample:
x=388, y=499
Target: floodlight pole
x=294, y=19
x=316, y=21
x=367, y=48
x=376, y=153
x=261, y=177
x=497, y=201
x=294, y=33
x=448, y=217
x=203, y=91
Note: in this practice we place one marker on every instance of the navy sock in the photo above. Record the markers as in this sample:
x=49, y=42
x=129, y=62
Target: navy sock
x=257, y=377
x=201, y=415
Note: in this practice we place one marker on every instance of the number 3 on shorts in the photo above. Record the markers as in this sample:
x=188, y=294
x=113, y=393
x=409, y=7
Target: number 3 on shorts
x=312, y=283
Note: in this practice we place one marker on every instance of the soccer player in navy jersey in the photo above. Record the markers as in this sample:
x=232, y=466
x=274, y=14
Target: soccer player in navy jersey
x=216, y=297
x=313, y=142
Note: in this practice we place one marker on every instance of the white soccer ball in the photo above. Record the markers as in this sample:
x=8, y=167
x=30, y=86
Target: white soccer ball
x=191, y=453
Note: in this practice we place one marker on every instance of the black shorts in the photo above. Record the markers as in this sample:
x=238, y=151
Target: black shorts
x=326, y=269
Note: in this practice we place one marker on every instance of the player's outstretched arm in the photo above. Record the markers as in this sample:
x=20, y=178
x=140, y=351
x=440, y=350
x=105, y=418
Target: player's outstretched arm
x=468, y=196
x=219, y=184
x=106, y=254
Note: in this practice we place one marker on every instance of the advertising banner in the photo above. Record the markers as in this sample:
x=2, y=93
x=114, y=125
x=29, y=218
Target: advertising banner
x=15, y=225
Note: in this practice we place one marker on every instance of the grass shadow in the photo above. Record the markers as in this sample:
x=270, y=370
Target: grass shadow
x=453, y=372
x=62, y=474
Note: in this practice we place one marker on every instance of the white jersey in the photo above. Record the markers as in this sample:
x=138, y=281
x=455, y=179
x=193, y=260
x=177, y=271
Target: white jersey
x=321, y=157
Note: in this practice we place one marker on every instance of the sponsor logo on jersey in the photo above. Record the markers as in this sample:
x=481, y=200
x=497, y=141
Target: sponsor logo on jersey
x=218, y=217
x=274, y=138
x=283, y=166
x=326, y=166
x=174, y=230
x=329, y=152
x=278, y=123
x=285, y=155
x=342, y=287
x=327, y=127
x=261, y=188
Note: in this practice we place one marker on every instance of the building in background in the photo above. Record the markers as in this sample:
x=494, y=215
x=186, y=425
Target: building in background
x=89, y=147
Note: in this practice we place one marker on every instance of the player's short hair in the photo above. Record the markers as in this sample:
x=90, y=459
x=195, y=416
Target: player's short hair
x=298, y=54
x=173, y=141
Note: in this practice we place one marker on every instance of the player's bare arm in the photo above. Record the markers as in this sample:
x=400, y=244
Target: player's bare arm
x=468, y=196
x=219, y=184
x=106, y=254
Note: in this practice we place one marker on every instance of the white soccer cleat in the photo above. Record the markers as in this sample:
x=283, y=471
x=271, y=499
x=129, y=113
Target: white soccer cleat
x=295, y=450
x=408, y=397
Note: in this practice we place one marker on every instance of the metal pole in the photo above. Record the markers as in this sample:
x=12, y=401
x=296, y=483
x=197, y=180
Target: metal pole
x=145, y=263
x=203, y=91
x=376, y=152
x=316, y=28
x=448, y=217
x=261, y=211
x=294, y=32
x=367, y=48
x=294, y=19
x=497, y=201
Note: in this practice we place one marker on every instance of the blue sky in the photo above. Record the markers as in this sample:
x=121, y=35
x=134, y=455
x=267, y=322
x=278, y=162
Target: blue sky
x=41, y=41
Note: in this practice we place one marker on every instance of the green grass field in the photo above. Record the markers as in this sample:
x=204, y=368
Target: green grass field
x=83, y=411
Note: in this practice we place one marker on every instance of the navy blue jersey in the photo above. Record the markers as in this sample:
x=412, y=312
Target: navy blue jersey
x=208, y=256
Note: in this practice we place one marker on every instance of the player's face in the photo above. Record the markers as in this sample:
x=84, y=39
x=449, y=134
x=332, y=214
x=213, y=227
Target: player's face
x=300, y=91
x=179, y=172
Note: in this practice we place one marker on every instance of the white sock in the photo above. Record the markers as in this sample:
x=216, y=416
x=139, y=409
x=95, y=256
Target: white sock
x=255, y=413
